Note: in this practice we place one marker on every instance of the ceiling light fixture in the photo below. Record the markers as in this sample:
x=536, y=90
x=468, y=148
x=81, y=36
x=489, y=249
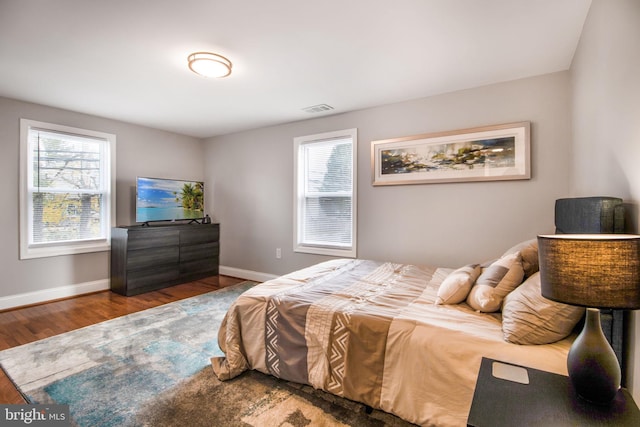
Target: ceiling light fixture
x=209, y=64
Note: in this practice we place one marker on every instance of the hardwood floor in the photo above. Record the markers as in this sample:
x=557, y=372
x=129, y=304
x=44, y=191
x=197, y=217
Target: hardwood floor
x=27, y=324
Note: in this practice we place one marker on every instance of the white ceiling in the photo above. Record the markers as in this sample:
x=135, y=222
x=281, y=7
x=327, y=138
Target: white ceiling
x=127, y=59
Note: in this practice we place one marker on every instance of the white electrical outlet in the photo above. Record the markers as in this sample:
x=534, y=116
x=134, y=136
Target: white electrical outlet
x=278, y=253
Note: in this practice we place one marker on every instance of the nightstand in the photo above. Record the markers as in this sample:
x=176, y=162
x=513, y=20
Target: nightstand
x=547, y=400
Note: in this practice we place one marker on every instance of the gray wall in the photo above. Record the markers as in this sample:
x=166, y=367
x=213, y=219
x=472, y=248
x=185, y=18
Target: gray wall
x=139, y=151
x=605, y=77
x=251, y=177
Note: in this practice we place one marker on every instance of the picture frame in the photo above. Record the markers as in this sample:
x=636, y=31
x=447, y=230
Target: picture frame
x=488, y=153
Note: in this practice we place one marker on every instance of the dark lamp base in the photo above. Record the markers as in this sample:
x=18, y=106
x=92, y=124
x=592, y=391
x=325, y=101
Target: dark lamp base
x=593, y=367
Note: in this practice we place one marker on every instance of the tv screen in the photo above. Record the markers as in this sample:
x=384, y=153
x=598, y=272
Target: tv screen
x=159, y=199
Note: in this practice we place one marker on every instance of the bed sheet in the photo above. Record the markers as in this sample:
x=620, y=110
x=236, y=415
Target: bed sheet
x=370, y=331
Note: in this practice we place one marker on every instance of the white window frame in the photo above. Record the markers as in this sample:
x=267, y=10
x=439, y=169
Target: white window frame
x=39, y=250
x=299, y=196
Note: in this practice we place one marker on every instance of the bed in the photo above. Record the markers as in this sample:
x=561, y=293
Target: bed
x=403, y=338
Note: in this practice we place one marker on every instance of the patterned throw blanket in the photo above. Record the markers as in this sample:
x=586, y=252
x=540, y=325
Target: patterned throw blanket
x=370, y=332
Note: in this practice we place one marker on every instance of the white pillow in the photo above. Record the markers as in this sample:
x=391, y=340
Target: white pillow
x=495, y=283
x=529, y=252
x=456, y=286
x=530, y=318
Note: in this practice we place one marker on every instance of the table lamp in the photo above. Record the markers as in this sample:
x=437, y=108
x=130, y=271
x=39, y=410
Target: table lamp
x=595, y=271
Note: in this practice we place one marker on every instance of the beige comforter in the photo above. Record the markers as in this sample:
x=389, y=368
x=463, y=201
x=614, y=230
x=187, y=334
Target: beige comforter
x=370, y=331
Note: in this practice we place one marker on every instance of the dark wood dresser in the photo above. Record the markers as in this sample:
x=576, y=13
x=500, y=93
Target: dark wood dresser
x=144, y=259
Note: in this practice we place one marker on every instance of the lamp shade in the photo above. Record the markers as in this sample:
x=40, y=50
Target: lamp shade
x=591, y=270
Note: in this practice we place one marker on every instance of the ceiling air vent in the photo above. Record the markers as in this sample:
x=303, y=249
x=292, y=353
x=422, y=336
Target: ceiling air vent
x=320, y=108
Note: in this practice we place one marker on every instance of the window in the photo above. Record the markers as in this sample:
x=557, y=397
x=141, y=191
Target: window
x=325, y=193
x=67, y=189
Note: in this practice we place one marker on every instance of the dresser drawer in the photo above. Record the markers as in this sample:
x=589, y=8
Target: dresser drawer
x=199, y=268
x=152, y=257
x=151, y=277
x=197, y=252
x=138, y=239
x=199, y=234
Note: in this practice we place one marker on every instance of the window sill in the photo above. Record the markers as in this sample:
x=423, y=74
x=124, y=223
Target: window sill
x=51, y=251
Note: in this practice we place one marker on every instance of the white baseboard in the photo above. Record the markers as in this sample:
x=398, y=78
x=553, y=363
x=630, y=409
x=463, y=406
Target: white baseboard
x=28, y=298
x=36, y=297
x=246, y=274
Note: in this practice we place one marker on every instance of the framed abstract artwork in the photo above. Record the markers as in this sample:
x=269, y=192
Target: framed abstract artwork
x=489, y=153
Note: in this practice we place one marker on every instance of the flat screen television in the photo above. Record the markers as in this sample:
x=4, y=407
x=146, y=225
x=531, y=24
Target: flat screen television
x=159, y=199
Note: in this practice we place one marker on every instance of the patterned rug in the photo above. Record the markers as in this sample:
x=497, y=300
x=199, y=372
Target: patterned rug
x=152, y=368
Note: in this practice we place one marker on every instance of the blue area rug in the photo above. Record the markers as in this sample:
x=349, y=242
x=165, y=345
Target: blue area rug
x=107, y=371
